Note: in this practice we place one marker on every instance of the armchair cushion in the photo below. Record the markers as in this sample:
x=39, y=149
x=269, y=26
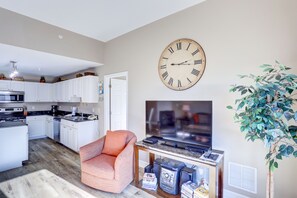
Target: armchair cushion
x=115, y=142
x=101, y=166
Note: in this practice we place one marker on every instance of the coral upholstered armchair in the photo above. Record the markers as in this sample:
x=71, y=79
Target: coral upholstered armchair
x=107, y=164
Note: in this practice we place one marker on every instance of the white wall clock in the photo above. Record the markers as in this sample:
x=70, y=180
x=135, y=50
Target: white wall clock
x=182, y=64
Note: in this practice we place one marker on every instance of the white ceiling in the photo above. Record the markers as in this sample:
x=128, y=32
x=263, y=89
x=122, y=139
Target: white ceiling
x=99, y=19
x=40, y=63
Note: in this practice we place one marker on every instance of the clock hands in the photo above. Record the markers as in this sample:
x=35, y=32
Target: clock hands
x=182, y=63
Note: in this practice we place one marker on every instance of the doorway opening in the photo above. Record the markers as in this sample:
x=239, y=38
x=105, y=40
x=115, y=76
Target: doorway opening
x=116, y=101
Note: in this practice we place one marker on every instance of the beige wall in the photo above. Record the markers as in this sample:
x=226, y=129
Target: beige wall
x=29, y=33
x=237, y=36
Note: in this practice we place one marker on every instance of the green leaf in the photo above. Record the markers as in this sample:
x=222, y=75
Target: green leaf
x=295, y=154
x=229, y=107
x=240, y=105
x=271, y=162
x=282, y=147
x=243, y=92
x=268, y=155
x=276, y=62
x=290, y=150
x=275, y=164
x=265, y=65
x=279, y=156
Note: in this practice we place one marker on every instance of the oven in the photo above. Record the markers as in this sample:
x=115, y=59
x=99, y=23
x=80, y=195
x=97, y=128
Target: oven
x=12, y=96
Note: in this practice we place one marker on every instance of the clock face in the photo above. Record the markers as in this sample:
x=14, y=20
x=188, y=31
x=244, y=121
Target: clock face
x=181, y=64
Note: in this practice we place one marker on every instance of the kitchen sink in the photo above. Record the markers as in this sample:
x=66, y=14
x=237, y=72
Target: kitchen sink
x=75, y=118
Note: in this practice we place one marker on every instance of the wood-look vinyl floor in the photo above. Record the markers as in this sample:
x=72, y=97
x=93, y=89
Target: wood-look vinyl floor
x=47, y=154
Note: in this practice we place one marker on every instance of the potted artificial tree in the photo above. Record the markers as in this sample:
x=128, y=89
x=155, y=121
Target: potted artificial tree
x=264, y=111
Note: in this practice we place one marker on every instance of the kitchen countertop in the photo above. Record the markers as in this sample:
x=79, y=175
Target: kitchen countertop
x=62, y=115
x=11, y=124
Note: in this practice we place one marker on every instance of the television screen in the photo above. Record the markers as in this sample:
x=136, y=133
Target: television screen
x=188, y=122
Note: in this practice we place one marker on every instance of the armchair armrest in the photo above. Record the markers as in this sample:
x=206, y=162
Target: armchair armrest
x=91, y=150
x=124, y=162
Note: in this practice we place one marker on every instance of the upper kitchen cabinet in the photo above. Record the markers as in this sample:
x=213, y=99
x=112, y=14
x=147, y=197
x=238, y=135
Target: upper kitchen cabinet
x=7, y=85
x=17, y=86
x=45, y=92
x=77, y=84
x=90, y=86
x=31, y=89
x=38, y=92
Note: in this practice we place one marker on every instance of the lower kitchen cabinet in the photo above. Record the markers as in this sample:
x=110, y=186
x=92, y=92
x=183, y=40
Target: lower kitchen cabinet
x=40, y=126
x=36, y=126
x=77, y=134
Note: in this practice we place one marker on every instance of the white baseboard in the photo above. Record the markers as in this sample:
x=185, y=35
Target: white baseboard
x=142, y=163
x=231, y=194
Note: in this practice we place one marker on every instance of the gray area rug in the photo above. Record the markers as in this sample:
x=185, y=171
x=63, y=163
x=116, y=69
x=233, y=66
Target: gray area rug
x=45, y=184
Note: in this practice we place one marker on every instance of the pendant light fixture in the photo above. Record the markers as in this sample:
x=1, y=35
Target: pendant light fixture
x=14, y=71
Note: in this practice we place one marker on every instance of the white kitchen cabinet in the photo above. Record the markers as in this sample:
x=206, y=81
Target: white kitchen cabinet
x=45, y=92
x=17, y=86
x=49, y=127
x=31, y=89
x=36, y=126
x=77, y=134
x=9, y=85
x=90, y=89
x=5, y=85
x=77, y=84
x=54, y=92
x=58, y=91
x=38, y=92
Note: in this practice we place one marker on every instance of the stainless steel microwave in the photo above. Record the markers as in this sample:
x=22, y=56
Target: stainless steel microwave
x=12, y=96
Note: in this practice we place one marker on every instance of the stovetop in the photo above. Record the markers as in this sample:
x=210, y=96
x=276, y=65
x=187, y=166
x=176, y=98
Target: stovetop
x=12, y=119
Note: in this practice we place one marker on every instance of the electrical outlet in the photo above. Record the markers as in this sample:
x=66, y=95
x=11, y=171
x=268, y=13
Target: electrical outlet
x=93, y=110
x=33, y=107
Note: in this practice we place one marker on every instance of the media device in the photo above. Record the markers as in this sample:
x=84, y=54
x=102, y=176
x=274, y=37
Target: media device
x=185, y=124
x=187, y=174
x=157, y=167
x=148, y=169
x=169, y=176
x=151, y=140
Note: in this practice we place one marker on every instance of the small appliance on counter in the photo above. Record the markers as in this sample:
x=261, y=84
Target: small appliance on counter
x=74, y=111
x=54, y=110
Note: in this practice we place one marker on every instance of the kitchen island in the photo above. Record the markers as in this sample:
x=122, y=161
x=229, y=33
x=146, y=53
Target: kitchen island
x=13, y=144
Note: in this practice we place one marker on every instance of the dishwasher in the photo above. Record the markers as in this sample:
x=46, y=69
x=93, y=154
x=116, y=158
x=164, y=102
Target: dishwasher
x=57, y=122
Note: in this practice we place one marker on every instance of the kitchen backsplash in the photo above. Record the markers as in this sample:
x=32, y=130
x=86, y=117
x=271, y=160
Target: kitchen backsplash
x=31, y=106
x=85, y=108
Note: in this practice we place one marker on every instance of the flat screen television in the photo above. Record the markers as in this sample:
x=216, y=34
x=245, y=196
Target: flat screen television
x=188, y=122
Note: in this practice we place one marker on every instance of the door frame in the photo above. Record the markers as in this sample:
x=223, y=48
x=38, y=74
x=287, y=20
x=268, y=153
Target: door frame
x=107, y=79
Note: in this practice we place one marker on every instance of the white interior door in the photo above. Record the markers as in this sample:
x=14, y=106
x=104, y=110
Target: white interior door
x=118, y=104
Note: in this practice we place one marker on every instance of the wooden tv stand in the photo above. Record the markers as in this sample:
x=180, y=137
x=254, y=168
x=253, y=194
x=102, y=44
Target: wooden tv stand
x=216, y=169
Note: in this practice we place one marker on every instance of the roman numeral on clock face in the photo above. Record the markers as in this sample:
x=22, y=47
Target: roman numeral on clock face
x=170, y=82
x=165, y=58
x=163, y=66
x=195, y=72
x=170, y=50
x=165, y=75
x=188, y=46
x=195, y=52
x=197, y=62
x=179, y=83
x=189, y=80
x=178, y=46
